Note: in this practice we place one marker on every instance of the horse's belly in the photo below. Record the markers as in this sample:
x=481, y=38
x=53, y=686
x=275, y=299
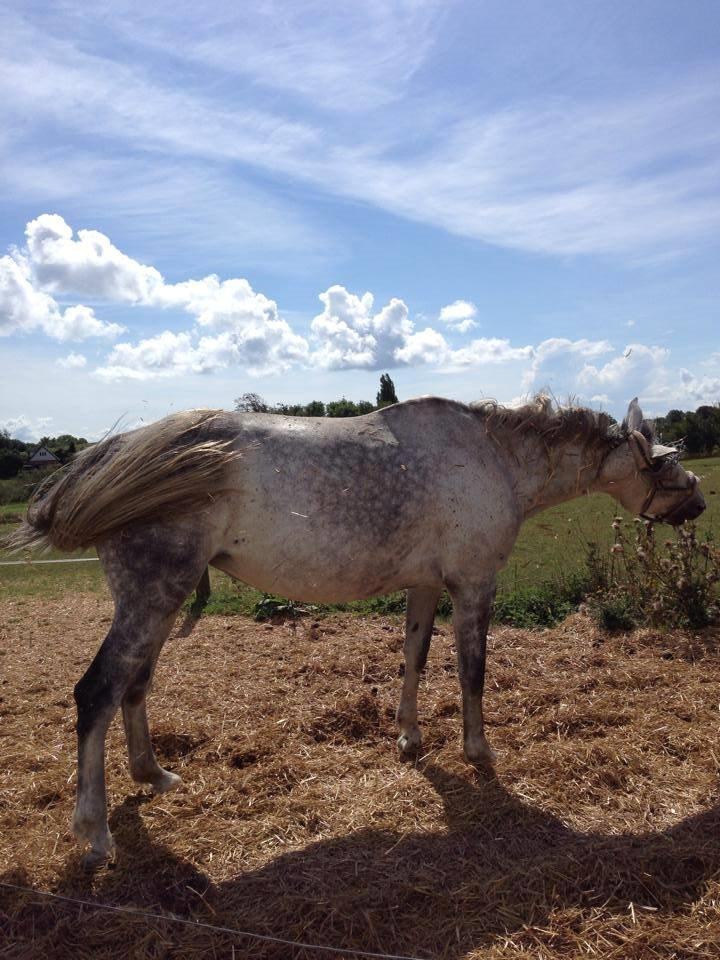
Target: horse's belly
x=304, y=560
x=298, y=580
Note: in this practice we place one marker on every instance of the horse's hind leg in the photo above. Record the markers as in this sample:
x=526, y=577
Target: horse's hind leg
x=150, y=574
x=420, y=614
x=98, y=695
x=144, y=767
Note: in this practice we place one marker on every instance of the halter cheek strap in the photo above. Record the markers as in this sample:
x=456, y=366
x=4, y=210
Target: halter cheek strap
x=647, y=467
x=658, y=487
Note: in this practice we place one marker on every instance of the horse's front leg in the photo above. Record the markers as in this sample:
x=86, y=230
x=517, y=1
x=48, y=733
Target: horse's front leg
x=419, y=618
x=472, y=608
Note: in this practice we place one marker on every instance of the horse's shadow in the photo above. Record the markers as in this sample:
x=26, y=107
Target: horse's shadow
x=500, y=865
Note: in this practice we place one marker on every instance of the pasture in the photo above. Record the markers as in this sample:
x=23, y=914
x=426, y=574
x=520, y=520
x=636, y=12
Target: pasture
x=598, y=836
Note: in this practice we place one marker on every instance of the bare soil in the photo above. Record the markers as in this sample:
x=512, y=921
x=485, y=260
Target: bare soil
x=599, y=835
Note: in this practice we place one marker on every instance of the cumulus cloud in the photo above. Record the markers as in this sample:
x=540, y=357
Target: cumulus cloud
x=248, y=328
x=349, y=334
x=489, y=350
x=460, y=315
x=634, y=365
x=233, y=325
x=170, y=354
x=88, y=266
x=700, y=389
x=73, y=361
x=26, y=428
x=24, y=309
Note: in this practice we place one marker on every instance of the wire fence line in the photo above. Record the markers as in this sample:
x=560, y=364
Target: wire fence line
x=199, y=924
x=34, y=563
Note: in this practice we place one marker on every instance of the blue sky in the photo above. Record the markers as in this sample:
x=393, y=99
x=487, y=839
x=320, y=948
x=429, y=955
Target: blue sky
x=482, y=198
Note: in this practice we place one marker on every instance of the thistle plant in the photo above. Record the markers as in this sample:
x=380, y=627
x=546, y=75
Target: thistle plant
x=672, y=583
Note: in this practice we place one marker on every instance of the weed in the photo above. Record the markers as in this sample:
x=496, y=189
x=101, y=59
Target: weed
x=672, y=584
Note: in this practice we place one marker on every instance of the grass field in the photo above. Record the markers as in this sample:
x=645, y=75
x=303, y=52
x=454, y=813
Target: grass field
x=551, y=547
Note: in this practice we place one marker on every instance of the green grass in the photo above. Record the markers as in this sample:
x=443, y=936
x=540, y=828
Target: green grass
x=553, y=544
x=541, y=582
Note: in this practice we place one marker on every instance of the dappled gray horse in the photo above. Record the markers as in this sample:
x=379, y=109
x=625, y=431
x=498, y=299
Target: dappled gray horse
x=423, y=495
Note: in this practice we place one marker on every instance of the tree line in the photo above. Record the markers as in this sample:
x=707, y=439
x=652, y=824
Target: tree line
x=14, y=454
x=698, y=431
x=254, y=403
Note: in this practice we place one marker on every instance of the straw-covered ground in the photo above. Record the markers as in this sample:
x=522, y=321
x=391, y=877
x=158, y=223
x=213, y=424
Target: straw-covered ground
x=599, y=835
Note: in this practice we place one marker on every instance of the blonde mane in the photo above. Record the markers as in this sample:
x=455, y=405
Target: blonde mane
x=553, y=424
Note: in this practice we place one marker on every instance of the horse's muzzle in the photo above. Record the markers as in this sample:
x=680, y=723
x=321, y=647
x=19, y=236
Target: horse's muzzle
x=690, y=510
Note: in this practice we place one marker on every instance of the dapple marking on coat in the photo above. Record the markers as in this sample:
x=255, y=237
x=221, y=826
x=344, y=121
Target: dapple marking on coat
x=423, y=495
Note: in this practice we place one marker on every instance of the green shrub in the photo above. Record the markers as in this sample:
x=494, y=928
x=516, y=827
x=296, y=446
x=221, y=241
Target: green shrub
x=543, y=605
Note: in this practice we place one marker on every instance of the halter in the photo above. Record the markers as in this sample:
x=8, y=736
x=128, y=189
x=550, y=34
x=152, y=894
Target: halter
x=654, y=474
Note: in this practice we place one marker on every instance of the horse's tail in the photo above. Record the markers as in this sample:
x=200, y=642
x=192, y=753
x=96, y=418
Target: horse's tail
x=168, y=468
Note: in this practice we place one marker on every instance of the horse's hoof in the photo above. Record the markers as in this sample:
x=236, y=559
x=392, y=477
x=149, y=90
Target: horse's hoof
x=409, y=743
x=480, y=755
x=102, y=848
x=167, y=781
x=98, y=858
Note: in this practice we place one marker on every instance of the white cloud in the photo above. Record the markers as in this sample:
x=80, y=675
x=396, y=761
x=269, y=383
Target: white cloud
x=80, y=323
x=73, y=361
x=24, y=309
x=350, y=335
x=251, y=332
x=489, y=350
x=635, y=365
x=235, y=326
x=699, y=389
x=26, y=428
x=163, y=355
x=309, y=51
x=460, y=315
x=89, y=266
x=261, y=349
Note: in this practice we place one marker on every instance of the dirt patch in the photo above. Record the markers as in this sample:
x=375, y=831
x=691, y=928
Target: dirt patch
x=599, y=835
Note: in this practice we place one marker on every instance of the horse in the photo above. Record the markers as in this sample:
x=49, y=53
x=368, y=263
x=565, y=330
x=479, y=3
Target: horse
x=424, y=495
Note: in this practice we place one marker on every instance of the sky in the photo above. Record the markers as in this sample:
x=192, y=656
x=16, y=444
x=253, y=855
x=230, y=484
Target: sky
x=291, y=197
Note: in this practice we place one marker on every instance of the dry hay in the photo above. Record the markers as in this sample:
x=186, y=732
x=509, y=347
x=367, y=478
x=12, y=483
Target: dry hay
x=600, y=835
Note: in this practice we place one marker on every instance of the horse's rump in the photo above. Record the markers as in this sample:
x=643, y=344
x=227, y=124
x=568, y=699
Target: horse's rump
x=167, y=468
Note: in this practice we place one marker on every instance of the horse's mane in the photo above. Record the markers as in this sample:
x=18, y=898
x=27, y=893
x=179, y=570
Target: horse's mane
x=556, y=425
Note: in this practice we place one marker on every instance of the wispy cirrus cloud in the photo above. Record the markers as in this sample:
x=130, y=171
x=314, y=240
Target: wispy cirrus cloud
x=541, y=174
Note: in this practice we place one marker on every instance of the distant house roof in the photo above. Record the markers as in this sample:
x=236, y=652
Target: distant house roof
x=41, y=458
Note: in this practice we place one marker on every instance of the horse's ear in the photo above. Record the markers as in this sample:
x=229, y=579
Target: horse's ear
x=634, y=417
x=647, y=429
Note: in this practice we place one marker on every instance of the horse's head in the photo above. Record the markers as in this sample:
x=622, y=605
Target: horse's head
x=647, y=478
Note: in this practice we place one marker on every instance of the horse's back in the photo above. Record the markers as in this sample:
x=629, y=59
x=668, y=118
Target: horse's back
x=335, y=509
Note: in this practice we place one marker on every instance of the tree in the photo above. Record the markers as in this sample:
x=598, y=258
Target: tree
x=341, y=408
x=386, y=394
x=10, y=464
x=251, y=403
x=316, y=408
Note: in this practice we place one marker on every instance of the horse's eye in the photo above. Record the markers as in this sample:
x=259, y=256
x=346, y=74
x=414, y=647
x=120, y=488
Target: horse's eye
x=665, y=465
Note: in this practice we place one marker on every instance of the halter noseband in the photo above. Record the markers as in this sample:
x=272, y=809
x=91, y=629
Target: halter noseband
x=657, y=486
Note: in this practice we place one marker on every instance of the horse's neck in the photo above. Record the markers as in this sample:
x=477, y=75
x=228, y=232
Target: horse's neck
x=546, y=475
